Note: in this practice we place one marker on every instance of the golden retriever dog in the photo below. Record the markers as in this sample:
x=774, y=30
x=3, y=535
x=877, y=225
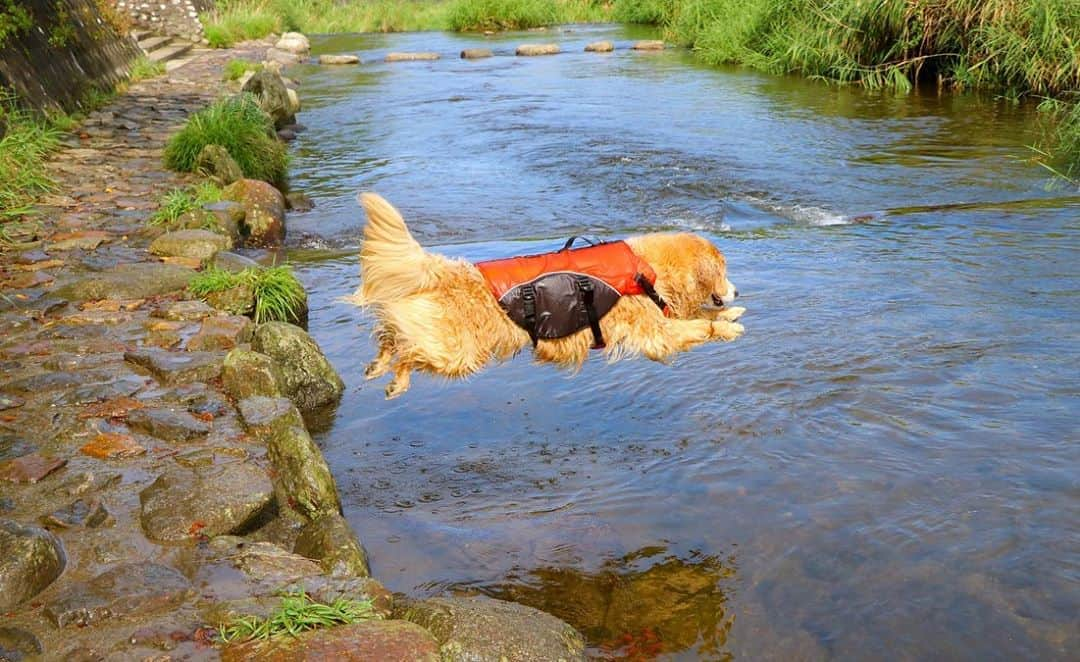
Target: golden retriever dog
x=438, y=315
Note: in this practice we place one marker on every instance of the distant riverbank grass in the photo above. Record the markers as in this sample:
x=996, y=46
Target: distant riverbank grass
x=242, y=128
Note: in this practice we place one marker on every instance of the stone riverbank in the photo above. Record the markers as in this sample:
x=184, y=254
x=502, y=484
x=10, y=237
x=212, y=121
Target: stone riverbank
x=157, y=478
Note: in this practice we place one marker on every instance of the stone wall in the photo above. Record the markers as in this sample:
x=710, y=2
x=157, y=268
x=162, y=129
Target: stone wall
x=60, y=49
x=179, y=18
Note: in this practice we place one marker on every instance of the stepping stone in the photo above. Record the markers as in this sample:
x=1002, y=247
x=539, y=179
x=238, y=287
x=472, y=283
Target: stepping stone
x=649, y=45
x=339, y=59
x=475, y=53
x=410, y=57
x=131, y=588
x=183, y=505
x=537, y=49
x=168, y=424
x=600, y=47
x=178, y=367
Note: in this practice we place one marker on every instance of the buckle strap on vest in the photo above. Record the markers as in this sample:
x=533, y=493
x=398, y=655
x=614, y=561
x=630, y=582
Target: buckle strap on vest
x=649, y=290
x=528, y=300
x=587, y=291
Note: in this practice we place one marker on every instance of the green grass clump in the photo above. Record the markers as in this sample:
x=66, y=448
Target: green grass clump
x=235, y=69
x=242, y=128
x=180, y=201
x=298, y=613
x=476, y=15
x=1061, y=154
x=143, y=68
x=278, y=293
x=25, y=144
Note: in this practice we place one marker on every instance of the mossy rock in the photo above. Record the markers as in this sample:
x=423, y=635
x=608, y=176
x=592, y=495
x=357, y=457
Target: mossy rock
x=310, y=380
x=215, y=162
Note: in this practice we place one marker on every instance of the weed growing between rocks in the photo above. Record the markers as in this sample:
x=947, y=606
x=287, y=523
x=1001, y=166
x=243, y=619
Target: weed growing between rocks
x=278, y=294
x=144, y=68
x=296, y=614
x=180, y=201
x=235, y=69
x=240, y=126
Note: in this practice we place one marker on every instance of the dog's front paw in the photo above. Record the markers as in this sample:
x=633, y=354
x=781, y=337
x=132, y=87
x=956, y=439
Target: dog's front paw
x=726, y=331
x=731, y=314
x=376, y=369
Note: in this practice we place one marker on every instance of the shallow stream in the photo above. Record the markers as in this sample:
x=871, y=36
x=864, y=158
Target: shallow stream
x=884, y=466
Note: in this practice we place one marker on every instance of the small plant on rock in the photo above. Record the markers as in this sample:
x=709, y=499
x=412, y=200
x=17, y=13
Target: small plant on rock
x=296, y=614
x=235, y=69
x=180, y=201
x=278, y=294
x=240, y=126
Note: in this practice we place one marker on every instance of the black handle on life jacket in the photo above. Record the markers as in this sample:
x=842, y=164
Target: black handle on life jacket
x=587, y=291
x=571, y=240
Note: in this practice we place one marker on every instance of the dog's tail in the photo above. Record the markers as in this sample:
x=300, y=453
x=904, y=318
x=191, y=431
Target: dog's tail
x=392, y=263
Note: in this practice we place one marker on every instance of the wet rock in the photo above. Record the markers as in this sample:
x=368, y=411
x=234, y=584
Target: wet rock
x=293, y=42
x=310, y=381
x=17, y=645
x=294, y=103
x=537, y=49
x=12, y=446
x=239, y=300
x=262, y=561
x=299, y=202
x=246, y=373
x=649, y=45
x=178, y=367
x=338, y=59
x=183, y=311
x=131, y=588
x=600, y=47
x=32, y=559
x=182, y=505
x=331, y=541
x=168, y=424
x=233, y=262
x=302, y=479
x=10, y=402
x=264, y=211
x=198, y=244
x=207, y=457
x=228, y=218
x=273, y=97
x=139, y=280
x=221, y=332
x=410, y=57
x=286, y=136
x=215, y=162
x=480, y=628
x=475, y=53
x=87, y=514
x=86, y=240
x=386, y=641
x=112, y=446
x=29, y=468
x=264, y=417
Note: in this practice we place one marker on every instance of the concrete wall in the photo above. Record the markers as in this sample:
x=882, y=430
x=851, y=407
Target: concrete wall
x=70, y=47
x=179, y=18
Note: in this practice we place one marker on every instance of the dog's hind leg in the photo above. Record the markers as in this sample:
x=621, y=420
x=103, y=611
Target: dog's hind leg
x=380, y=365
x=400, y=383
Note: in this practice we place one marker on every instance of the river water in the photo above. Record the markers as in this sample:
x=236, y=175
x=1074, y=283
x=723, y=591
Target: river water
x=885, y=466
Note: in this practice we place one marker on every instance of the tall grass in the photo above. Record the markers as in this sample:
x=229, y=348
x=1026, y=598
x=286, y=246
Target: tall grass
x=242, y=128
x=179, y=201
x=476, y=15
x=26, y=142
x=278, y=294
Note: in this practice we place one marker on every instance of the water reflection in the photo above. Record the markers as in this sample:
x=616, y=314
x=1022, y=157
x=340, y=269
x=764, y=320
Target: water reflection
x=636, y=607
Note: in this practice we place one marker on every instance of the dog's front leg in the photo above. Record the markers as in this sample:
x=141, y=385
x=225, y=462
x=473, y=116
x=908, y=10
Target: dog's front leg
x=380, y=365
x=672, y=336
x=730, y=314
x=400, y=383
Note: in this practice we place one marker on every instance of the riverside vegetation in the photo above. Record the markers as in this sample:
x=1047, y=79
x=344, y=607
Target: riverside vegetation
x=1016, y=48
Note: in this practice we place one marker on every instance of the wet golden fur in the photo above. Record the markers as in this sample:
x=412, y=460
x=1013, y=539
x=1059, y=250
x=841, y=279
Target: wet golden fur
x=437, y=314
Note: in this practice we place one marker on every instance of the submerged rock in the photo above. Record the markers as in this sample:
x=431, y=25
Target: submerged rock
x=537, y=49
x=600, y=47
x=140, y=280
x=215, y=162
x=273, y=97
x=131, y=588
x=264, y=211
x=182, y=505
x=32, y=559
x=199, y=244
x=17, y=645
x=299, y=202
x=310, y=380
x=366, y=641
x=331, y=541
x=480, y=628
x=338, y=59
x=246, y=373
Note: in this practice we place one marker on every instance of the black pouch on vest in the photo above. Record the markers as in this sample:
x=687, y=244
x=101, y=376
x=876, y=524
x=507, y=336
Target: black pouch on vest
x=558, y=304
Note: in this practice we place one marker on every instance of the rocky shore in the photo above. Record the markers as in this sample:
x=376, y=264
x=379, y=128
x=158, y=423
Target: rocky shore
x=157, y=476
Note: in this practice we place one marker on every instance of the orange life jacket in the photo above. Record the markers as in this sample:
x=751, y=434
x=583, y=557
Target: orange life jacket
x=553, y=295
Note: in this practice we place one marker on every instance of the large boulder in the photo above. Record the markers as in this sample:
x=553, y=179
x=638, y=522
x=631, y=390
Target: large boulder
x=246, y=373
x=331, y=541
x=32, y=559
x=310, y=381
x=273, y=97
x=366, y=641
x=480, y=628
x=215, y=162
x=182, y=505
x=264, y=211
x=198, y=244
